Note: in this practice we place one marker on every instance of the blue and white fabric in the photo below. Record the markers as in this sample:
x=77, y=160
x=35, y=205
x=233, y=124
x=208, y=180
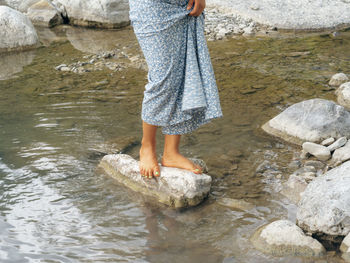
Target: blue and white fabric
x=181, y=93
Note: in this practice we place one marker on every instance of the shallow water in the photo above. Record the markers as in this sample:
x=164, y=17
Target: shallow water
x=56, y=207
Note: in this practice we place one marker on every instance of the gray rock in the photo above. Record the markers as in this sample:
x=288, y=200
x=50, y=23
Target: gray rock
x=16, y=30
x=338, y=79
x=337, y=144
x=175, y=187
x=43, y=13
x=343, y=95
x=319, y=151
x=345, y=248
x=324, y=207
x=284, y=238
x=101, y=14
x=341, y=154
x=327, y=141
x=294, y=187
x=311, y=120
x=20, y=5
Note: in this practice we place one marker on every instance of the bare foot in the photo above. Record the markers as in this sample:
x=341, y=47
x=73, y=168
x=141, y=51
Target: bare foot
x=180, y=161
x=148, y=162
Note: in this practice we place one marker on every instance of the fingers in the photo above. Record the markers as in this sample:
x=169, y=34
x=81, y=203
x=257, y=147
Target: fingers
x=190, y=4
x=199, y=6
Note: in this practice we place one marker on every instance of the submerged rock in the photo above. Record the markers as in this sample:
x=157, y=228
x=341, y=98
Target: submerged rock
x=235, y=203
x=16, y=30
x=294, y=187
x=284, y=238
x=311, y=120
x=116, y=145
x=175, y=187
x=324, y=208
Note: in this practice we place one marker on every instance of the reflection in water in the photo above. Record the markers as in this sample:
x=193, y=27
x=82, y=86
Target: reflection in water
x=55, y=207
x=12, y=63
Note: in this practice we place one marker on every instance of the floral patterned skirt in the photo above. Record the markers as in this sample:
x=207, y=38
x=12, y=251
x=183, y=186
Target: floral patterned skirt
x=181, y=93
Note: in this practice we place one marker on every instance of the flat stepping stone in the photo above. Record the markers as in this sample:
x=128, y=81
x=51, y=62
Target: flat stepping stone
x=174, y=187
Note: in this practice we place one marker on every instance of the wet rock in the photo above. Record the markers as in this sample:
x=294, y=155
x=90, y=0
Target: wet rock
x=337, y=144
x=284, y=238
x=341, y=154
x=319, y=151
x=43, y=13
x=338, y=79
x=235, y=203
x=16, y=30
x=175, y=187
x=311, y=120
x=294, y=187
x=116, y=145
x=324, y=208
x=345, y=248
x=101, y=14
x=343, y=95
x=327, y=141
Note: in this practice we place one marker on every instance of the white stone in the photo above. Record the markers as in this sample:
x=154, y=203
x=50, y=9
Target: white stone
x=325, y=204
x=319, y=151
x=327, y=141
x=284, y=238
x=338, y=79
x=343, y=95
x=311, y=120
x=20, y=5
x=174, y=187
x=16, y=30
x=337, y=144
x=341, y=154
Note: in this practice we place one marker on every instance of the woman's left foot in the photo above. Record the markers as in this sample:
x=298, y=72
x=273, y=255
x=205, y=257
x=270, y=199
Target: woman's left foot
x=179, y=161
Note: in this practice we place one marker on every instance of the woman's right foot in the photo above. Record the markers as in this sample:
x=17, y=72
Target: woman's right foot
x=179, y=161
x=149, y=166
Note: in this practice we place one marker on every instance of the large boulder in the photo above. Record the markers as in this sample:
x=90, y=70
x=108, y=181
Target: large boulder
x=174, y=187
x=288, y=14
x=324, y=208
x=44, y=13
x=91, y=13
x=311, y=120
x=284, y=238
x=16, y=30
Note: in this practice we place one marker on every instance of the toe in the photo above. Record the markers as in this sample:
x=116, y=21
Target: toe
x=149, y=174
x=197, y=170
x=156, y=172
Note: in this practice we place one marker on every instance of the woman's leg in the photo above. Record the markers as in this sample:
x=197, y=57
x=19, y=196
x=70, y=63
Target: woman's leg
x=173, y=158
x=148, y=159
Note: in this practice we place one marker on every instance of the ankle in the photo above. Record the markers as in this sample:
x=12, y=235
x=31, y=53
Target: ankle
x=171, y=153
x=148, y=143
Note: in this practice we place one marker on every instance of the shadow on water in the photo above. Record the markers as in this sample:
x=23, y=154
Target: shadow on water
x=56, y=208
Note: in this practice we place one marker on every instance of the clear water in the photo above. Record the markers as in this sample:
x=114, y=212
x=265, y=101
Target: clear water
x=56, y=207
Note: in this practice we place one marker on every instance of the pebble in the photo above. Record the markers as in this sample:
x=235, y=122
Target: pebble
x=319, y=151
x=338, y=79
x=328, y=141
x=337, y=144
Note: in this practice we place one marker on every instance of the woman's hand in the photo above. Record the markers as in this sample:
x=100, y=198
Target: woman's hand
x=199, y=6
